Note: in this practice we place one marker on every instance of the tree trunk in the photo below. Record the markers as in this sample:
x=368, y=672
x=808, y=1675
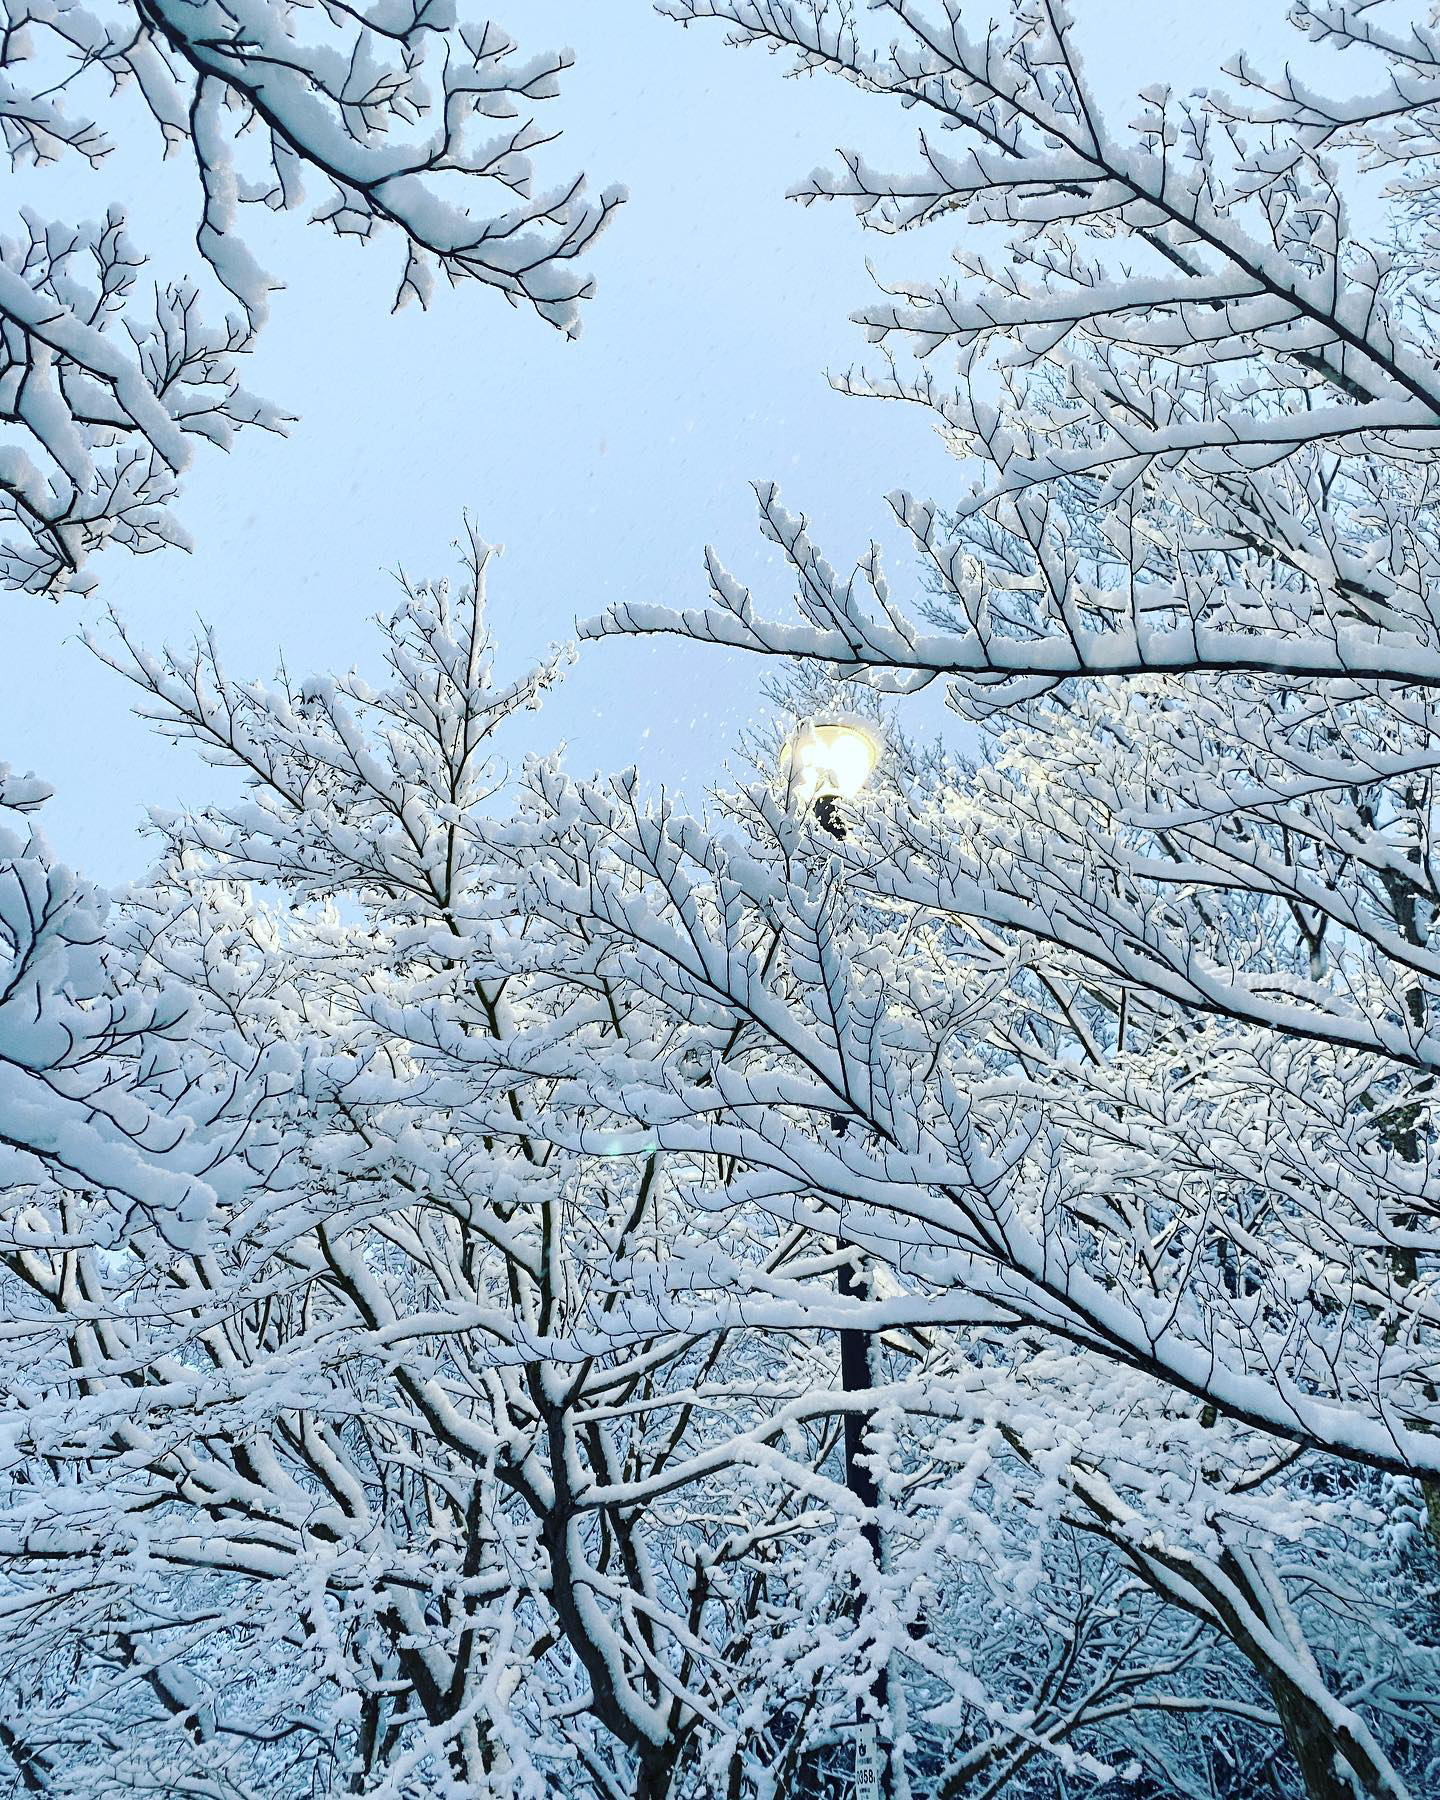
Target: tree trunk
x=1327, y=1776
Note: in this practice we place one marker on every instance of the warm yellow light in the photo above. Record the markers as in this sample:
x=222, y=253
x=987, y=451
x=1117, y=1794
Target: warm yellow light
x=830, y=762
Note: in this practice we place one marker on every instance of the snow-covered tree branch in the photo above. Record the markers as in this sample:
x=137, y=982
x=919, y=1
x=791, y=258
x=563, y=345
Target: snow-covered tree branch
x=403, y=121
x=1197, y=398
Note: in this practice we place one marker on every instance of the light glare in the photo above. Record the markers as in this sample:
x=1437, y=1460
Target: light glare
x=832, y=761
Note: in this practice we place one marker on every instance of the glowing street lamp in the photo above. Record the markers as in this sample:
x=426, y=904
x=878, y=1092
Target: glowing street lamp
x=826, y=762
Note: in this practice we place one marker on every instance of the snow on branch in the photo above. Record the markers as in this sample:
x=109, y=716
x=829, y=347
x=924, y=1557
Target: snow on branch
x=1196, y=406
x=400, y=120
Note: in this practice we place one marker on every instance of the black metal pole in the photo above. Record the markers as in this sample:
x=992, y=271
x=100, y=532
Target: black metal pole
x=857, y=1377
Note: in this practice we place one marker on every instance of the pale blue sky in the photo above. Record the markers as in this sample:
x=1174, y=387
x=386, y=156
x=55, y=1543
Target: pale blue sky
x=603, y=466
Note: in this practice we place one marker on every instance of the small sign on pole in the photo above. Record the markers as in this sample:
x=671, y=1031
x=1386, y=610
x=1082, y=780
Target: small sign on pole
x=867, y=1762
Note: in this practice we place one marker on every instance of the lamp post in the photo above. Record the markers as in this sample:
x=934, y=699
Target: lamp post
x=825, y=763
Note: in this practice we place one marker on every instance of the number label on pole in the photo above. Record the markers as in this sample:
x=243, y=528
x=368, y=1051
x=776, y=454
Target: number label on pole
x=867, y=1762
